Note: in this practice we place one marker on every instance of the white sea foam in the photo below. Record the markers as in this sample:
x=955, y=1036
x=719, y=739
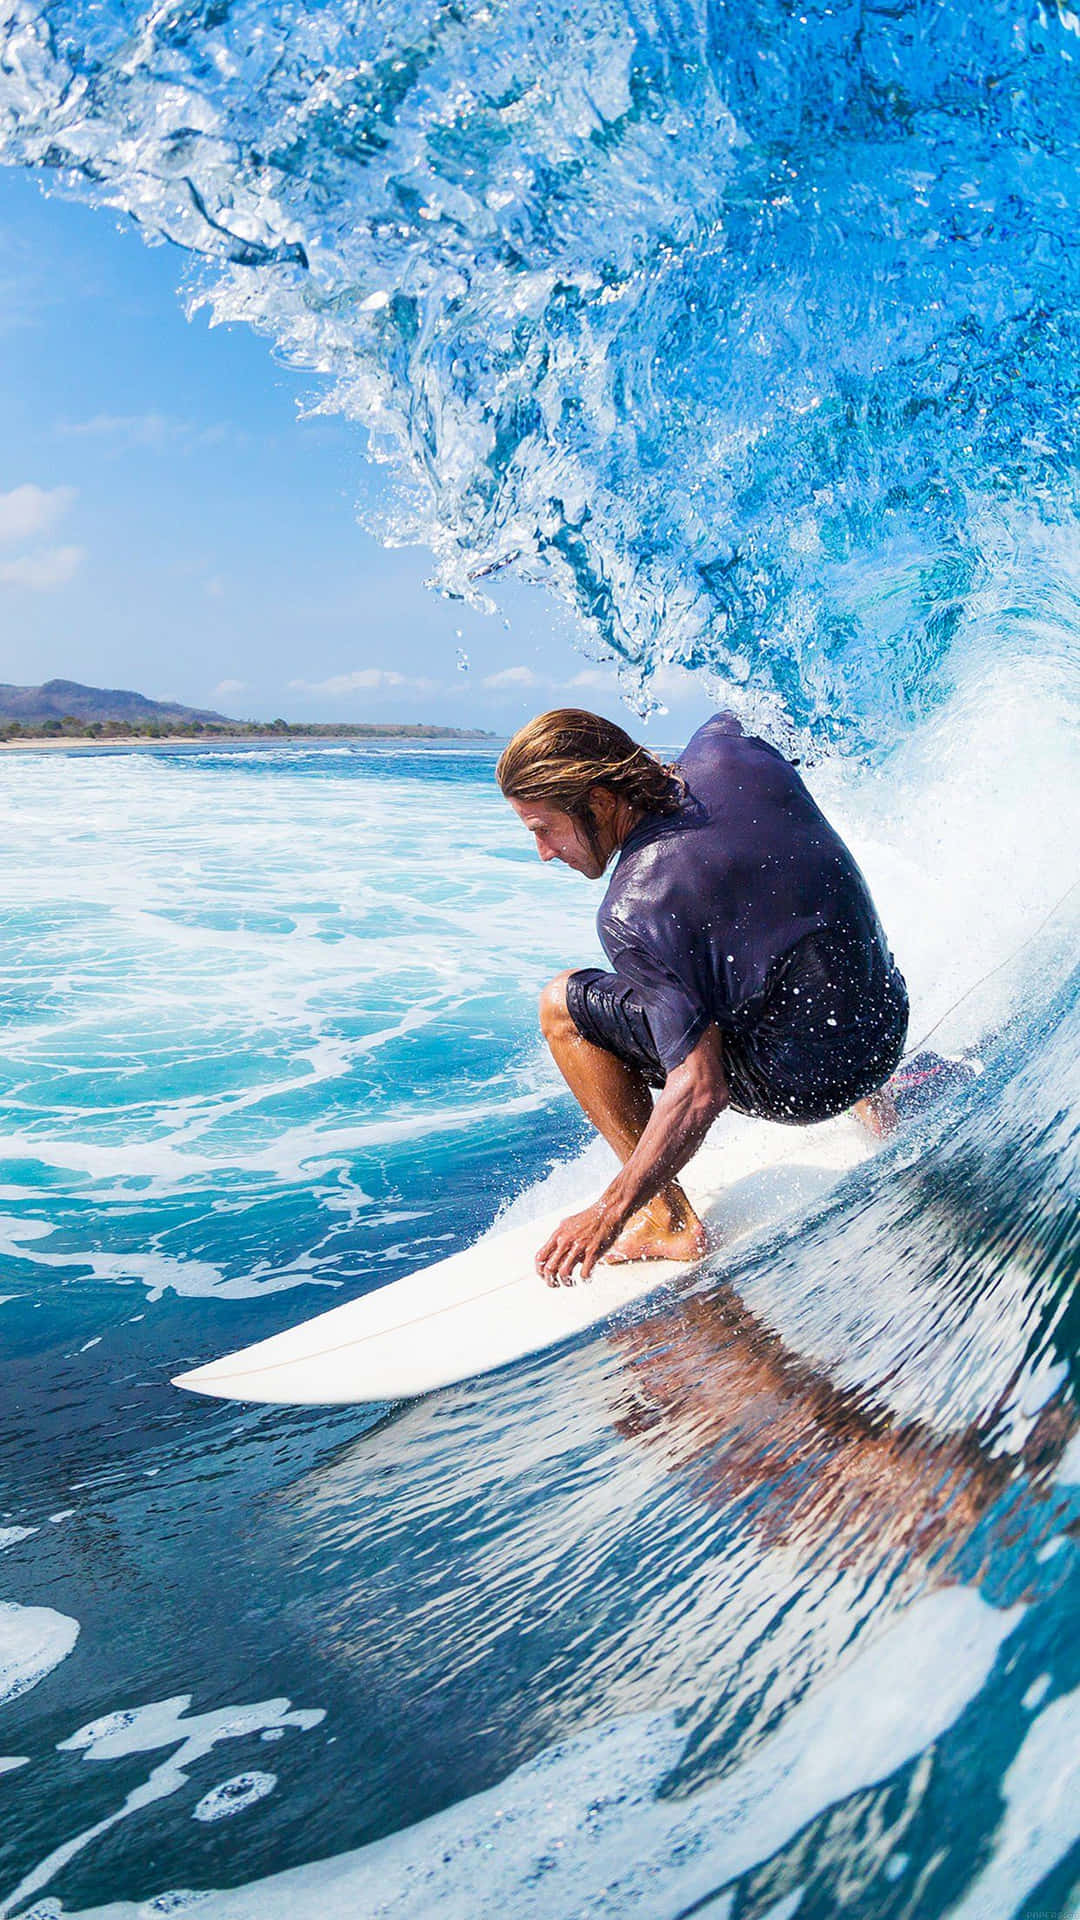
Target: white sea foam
x=1068, y=1467
x=1037, y=1693
x=158, y=1272
x=582, y=1829
x=1042, y=1816
x=780, y=1910
x=211, y=1012
x=966, y=852
x=233, y=1796
x=162, y=1723
x=33, y=1640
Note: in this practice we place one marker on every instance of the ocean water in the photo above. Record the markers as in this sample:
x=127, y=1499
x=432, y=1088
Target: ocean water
x=764, y=1596
x=752, y=335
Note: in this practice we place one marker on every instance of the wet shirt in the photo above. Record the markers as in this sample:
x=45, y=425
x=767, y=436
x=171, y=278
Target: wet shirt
x=705, y=904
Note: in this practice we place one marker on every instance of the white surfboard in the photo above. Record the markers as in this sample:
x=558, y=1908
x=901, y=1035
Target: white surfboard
x=487, y=1306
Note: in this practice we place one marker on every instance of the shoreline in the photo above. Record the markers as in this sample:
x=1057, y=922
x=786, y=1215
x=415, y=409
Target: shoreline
x=50, y=743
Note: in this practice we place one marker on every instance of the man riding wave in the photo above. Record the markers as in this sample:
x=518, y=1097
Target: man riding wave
x=749, y=967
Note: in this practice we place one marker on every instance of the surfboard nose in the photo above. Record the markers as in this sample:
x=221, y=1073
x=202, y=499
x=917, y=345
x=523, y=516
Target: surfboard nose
x=203, y=1380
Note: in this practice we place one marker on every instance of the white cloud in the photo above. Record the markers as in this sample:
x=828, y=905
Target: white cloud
x=677, y=683
x=135, y=429
x=30, y=510
x=597, y=679
x=364, y=680
x=669, y=682
x=154, y=431
x=229, y=686
x=514, y=679
x=41, y=572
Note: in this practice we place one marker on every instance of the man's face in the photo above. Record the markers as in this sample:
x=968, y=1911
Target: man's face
x=558, y=836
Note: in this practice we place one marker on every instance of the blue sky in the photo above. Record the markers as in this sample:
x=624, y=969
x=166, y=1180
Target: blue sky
x=168, y=523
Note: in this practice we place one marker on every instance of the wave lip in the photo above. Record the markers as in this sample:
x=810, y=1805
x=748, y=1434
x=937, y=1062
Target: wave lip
x=818, y=270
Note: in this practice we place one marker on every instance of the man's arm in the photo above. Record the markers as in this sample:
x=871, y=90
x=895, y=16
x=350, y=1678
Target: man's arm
x=694, y=1093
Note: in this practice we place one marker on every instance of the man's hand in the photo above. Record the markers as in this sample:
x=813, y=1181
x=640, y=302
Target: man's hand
x=694, y=1093
x=578, y=1241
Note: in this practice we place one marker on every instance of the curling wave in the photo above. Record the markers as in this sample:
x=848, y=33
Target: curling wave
x=751, y=332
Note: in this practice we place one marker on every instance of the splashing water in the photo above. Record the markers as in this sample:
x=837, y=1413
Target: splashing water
x=752, y=334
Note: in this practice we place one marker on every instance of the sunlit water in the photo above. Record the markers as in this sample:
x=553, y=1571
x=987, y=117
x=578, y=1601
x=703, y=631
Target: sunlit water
x=752, y=334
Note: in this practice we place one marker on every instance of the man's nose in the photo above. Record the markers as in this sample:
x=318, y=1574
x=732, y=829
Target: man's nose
x=546, y=853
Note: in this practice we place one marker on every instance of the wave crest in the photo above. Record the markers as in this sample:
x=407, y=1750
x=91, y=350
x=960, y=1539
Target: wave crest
x=753, y=333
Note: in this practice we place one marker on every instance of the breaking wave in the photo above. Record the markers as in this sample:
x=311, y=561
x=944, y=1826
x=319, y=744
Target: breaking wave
x=751, y=331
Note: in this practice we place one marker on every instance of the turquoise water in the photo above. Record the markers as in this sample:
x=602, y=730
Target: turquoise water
x=768, y=1591
x=750, y=334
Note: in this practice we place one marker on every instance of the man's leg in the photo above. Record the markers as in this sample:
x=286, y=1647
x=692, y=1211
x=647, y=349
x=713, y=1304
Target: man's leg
x=616, y=1098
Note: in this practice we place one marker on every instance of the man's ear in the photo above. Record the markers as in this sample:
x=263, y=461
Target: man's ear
x=602, y=804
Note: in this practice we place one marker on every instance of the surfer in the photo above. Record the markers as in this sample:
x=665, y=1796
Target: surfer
x=748, y=965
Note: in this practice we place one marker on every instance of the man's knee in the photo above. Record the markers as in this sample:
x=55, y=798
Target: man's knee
x=554, y=1014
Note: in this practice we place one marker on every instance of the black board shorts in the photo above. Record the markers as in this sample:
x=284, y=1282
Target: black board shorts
x=829, y=1029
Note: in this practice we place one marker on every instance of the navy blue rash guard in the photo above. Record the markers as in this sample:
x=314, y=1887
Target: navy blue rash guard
x=705, y=904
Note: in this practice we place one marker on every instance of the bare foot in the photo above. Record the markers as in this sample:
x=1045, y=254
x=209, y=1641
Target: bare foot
x=643, y=1238
x=878, y=1113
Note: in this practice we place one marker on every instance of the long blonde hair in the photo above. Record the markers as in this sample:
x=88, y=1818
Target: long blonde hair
x=560, y=756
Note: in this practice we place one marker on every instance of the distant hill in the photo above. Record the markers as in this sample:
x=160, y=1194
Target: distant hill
x=64, y=710
x=58, y=699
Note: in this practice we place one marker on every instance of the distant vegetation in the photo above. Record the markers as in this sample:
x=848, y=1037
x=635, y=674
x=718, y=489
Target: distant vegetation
x=68, y=728
x=62, y=709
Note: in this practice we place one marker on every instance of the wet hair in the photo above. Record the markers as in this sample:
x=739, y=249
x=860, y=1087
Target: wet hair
x=560, y=756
